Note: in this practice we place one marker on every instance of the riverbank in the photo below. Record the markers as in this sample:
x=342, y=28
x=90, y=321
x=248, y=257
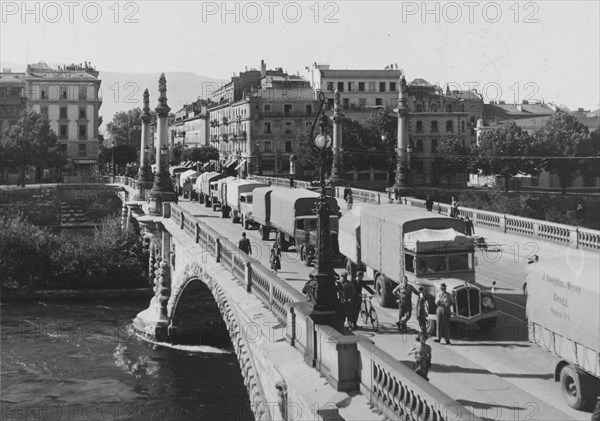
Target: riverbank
x=12, y=296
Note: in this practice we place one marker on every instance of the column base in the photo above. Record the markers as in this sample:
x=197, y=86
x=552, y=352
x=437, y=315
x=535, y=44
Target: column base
x=317, y=316
x=150, y=324
x=143, y=187
x=157, y=198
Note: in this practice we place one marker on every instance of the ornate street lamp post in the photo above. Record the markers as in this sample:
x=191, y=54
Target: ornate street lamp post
x=321, y=288
x=112, y=160
x=402, y=182
x=292, y=169
x=145, y=172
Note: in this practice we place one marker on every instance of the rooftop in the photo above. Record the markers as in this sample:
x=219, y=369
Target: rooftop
x=338, y=74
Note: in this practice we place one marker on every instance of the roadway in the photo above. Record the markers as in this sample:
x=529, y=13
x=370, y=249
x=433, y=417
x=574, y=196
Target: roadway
x=497, y=374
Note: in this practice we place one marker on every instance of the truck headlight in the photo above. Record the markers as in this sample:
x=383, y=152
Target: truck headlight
x=487, y=302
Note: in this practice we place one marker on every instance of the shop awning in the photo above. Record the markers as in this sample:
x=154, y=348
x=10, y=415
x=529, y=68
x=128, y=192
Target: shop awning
x=205, y=166
x=230, y=163
x=241, y=164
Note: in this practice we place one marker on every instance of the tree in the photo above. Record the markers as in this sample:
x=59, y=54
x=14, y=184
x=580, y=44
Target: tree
x=591, y=149
x=31, y=141
x=454, y=155
x=382, y=133
x=506, y=152
x=124, y=154
x=201, y=154
x=126, y=128
x=561, y=141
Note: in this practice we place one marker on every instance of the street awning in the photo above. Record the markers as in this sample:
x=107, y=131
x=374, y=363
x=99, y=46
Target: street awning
x=230, y=163
x=241, y=164
x=205, y=166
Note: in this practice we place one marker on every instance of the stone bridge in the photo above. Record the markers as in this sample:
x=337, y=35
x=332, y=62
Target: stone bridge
x=205, y=288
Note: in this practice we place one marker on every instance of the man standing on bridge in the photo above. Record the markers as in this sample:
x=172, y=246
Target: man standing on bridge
x=444, y=302
x=404, y=292
x=244, y=244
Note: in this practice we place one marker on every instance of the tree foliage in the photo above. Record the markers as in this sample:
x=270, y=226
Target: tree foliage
x=126, y=128
x=506, y=152
x=201, y=154
x=124, y=154
x=454, y=155
x=566, y=138
x=31, y=141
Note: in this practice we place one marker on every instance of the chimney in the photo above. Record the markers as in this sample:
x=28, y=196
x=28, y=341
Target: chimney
x=263, y=69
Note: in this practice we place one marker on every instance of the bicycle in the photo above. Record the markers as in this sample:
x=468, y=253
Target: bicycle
x=368, y=313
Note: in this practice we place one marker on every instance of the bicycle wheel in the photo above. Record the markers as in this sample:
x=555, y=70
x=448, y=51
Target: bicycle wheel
x=374, y=319
x=364, y=314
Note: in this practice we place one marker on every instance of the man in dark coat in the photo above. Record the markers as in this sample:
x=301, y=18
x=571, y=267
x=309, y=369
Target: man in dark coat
x=429, y=203
x=244, y=244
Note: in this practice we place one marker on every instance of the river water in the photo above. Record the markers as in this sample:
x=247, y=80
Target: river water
x=79, y=360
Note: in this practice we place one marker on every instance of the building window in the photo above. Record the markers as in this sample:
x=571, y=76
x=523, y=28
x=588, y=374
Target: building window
x=371, y=86
x=346, y=103
x=267, y=128
x=308, y=109
x=362, y=102
x=268, y=146
x=330, y=104
x=62, y=130
x=419, y=146
x=82, y=113
x=82, y=131
x=419, y=107
x=340, y=86
x=267, y=108
x=287, y=109
x=350, y=86
x=44, y=111
x=419, y=126
x=434, y=126
x=361, y=86
x=378, y=101
x=449, y=126
x=448, y=108
x=82, y=149
x=63, y=93
x=472, y=120
x=381, y=86
x=44, y=93
x=288, y=146
x=63, y=112
x=392, y=86
x=330, y=86
x=463, y=126
x=288, y=127
x=434, y=145
x=82, y=93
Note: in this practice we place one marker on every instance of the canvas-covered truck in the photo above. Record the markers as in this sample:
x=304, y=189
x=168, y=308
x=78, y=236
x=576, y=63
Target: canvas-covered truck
x=293, y=217
x=563, y=315
x=218, y=192
x=233, y=196
x=389, y=242
x=187, y=179
x=202, y=186
x=256, y=210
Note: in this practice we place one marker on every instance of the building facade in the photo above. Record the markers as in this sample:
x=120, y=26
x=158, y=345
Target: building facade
x=190, y=126
x=262, y=126
x=361, y=91
x=435, y=114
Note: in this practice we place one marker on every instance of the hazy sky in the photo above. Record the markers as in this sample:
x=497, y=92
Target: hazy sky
x=515, y=50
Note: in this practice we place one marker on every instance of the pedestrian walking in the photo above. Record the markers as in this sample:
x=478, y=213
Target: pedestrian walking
x=454, y=208
x=244, y=244
x=275, y=258
x=422, y=353
x=349, y=201
x=443, y=301
x=404, y=292
x=429, y=203
x=422, y=311
x=579, y=212
x=469, y=228
x=397, y=196
x=347, y=297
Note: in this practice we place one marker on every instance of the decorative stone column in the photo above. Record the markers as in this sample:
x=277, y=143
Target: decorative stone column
x=162, y=190
x=402, y=182
x=145, y=172
x=337, y=177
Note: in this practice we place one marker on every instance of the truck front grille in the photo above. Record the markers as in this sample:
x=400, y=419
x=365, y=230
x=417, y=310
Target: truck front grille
x=468, y=302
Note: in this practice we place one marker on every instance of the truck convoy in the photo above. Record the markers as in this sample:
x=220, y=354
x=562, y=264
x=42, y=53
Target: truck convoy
x=563, y=313
x=217, y=193
x=389, y=242
x=291, y=212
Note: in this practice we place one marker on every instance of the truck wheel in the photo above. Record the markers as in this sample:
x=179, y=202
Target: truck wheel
x=264, y=232
x=572, y=392
x=383, y=290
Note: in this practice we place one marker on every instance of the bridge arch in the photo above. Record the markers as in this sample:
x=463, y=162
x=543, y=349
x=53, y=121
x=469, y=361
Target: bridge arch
x=197, y=295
